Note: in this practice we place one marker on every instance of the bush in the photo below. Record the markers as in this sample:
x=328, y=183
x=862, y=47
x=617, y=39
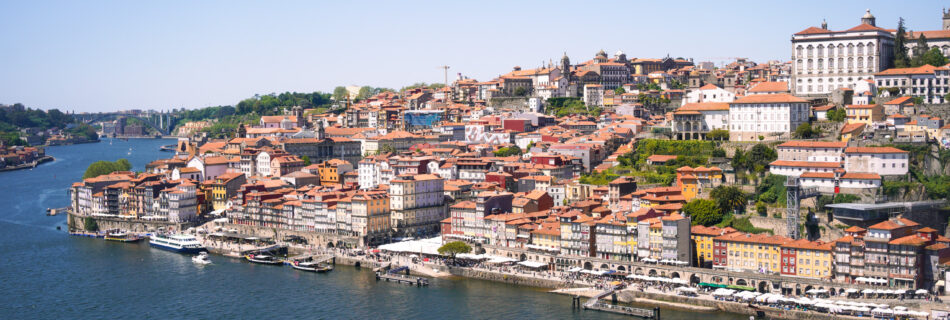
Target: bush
x=90, y=224
x=761, y=209
x=102, y=167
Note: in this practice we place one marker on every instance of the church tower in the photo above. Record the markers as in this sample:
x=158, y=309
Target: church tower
x=868, y=18
x=565, y=65
x=319, y=132
x=946, y=19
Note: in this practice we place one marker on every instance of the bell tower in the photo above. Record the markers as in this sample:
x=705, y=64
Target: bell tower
x=868, y=18
x=946, y=19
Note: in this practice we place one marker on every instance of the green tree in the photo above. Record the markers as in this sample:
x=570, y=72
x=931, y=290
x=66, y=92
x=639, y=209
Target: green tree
x=306, y=160
x=761, y=208
x=453, y=248
x=933, y=57
x=728, y=198
x=520, y=91
x=619, y=91
x=836, y=115
x=761, y=155
x=703, y=212
x=365, y=92
x=90, y=224
x=806, y=131
x=718, y=135
x=719, y=153
x=339, y=93
x=508, y=151
x=901, y=60
x=102, y=167
x=386, y=148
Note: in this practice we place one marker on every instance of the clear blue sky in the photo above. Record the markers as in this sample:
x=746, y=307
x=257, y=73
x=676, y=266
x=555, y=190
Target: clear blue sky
x=111, y=55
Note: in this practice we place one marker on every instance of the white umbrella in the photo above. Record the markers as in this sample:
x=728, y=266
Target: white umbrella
x=921, y=291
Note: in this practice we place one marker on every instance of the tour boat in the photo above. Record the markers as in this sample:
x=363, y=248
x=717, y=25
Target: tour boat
x=176, y=242
x=311, y=266
x=121, y=236
x=201, y=258
x=263, y=259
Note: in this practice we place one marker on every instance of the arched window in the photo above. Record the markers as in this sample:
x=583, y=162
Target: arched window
x=821, y=51
x=860, y=62
x=831, y=64
x=831, y=50
x=840, y=49
x=810, y=64
x=799, y=65
x=860, y=49
x=821, y=65
x=850, y=64
x=871, y=64
x=798, y=51
x=840, y=63
x=871, y=51
x=810, y=48
x=850, y=49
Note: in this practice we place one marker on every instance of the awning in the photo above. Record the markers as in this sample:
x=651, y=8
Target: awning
x=532, y=264
x=575, y=269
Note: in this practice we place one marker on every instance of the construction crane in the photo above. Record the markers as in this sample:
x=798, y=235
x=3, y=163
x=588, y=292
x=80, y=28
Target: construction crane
x=446, y=71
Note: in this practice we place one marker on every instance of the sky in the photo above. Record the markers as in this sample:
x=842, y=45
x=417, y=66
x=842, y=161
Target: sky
x=89, y=56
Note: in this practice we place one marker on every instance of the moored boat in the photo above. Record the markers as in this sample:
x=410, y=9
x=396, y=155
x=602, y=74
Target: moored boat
x=263, y=259
x=312, y=267
x=176, y=242
x=121, y=236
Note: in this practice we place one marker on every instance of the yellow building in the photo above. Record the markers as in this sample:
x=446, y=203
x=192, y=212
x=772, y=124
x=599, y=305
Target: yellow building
x=547, y=235
x=331, y=171
x=808, y=259
x=864, y=113
x=752, y=252
x=224, y=187
x=702, y=238
x=634, y=218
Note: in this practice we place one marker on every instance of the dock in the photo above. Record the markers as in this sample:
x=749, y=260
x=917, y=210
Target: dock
x=396, y=275
x=55, y=211
x=595, y=304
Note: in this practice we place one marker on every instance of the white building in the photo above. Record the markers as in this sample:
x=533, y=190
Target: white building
x=819, y=151
x=710, y=93
x=417, y=203
x=694, y=120
x=797, y=168
x=824, y=60
x=770, y=116
x=927, y=82
x=594, y=95
x=885, y=161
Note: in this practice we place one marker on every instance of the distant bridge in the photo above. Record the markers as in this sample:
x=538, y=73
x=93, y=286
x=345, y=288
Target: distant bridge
x=161, y=122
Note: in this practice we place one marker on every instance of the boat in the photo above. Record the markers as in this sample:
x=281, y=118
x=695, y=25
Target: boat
x=180, y=243
x=201, y=259
x=121, y=236
x=263, y=259
x=312, y=266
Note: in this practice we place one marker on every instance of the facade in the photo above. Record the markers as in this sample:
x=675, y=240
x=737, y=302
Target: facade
x=693, y=121
x=417, y=204
x=927, y=82
x=770, y=116
x=824, y=60
x=886, y=161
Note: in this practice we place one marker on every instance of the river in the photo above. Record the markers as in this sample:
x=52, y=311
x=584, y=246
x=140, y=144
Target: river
x=46, y=274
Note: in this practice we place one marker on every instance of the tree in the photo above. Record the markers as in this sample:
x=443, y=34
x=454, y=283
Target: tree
x=761, y=208
x=306, y=160
x=760, y=156
x=806, y=131
x=508, y=151
x=718, y=135
x=365, y=92
x=339, y=93
x=619, y=91
x=703, y=212
x=836, y=115
x=520, y=91
x=102, y=167
x=386, y=148
x=90, y=224
x=728, y=198
x=932, y=57
x=901, y=60
x=453, y=248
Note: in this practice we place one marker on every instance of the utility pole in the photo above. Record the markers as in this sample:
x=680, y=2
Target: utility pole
x=446, y=74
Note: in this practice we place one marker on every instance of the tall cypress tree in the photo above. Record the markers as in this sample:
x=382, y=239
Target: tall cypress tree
x=900, y=47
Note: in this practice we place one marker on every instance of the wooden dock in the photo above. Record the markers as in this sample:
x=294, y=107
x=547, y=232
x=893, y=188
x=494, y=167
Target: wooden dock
x=595, y=304
x=396, y=275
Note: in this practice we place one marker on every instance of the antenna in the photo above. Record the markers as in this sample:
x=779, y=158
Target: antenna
x=446, y=74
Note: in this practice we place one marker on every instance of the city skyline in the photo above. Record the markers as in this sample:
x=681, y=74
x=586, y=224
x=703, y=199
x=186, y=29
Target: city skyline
x=113, y=56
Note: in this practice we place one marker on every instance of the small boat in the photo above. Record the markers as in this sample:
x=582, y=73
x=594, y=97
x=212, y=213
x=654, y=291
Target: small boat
x=201, y=259
x=263, y=259
x=121, y=236
x=311, y=267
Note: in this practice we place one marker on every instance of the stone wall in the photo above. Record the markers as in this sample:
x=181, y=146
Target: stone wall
x=513, y=103
x=506, y=278
x=732, y=307
x=315, y=238
x=78, y=223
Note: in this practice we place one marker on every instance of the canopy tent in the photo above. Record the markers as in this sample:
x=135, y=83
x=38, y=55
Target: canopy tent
x=500, y=260
x=423, y=246
x=575, y=269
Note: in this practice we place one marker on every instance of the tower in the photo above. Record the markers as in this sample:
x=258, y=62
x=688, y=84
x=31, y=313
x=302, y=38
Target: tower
x=868, y=18
x=565, y=65
x=319, y=133
x=946, y=19
x=792, y=207
x=297, y=112
x=824, y=24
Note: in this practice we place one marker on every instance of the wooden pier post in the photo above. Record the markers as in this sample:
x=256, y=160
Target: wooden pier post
x=656, y=313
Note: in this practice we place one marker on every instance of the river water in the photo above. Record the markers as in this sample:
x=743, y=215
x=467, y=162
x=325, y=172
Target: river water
x=46, y=274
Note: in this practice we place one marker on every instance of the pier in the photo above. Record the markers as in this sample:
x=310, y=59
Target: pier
x=595, y=304
x=55, y=211
x=396, y=275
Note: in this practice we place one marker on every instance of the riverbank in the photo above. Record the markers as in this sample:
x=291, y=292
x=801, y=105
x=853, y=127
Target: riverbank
x=30, y=165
